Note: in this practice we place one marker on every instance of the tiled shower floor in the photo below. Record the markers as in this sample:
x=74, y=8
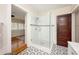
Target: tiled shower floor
x=56, y=50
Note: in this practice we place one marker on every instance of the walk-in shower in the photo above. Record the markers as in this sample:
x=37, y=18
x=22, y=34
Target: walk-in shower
x=41, y=30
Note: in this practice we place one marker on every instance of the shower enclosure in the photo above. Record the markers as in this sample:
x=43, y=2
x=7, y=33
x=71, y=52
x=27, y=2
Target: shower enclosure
x=41, y=30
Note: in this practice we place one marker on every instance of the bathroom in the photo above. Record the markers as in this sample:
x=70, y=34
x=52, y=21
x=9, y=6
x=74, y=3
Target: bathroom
x=41, y=27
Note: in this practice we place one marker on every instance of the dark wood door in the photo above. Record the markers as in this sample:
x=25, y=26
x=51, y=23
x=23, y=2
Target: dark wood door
x=63, y=29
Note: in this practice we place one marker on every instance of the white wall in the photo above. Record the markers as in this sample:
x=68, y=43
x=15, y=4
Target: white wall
x=77, y=26
x=28, y=29
x=5, y=18
x=73, y=27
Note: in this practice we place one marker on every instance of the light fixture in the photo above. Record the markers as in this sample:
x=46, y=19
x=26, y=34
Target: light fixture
x=13, y=15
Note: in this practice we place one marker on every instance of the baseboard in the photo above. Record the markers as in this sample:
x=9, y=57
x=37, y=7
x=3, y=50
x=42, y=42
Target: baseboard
x=3, y=51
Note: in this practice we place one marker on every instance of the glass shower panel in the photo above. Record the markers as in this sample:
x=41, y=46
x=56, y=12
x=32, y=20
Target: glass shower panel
x=43, y=20
x=35, y=34
x=44, y=36
x=40, y=30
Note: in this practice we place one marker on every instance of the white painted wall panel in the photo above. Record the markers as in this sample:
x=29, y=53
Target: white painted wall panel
x=5, y=18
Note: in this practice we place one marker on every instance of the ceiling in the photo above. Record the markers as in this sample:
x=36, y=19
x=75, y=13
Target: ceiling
x=38, y=8
x=45, y=7
x=18, y=13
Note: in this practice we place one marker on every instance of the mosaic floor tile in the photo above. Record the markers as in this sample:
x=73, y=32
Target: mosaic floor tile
x=56, y=50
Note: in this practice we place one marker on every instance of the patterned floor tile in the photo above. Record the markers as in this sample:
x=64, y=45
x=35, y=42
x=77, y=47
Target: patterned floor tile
x=56, y=50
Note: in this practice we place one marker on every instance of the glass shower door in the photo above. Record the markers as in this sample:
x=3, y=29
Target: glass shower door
x=40, y=30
